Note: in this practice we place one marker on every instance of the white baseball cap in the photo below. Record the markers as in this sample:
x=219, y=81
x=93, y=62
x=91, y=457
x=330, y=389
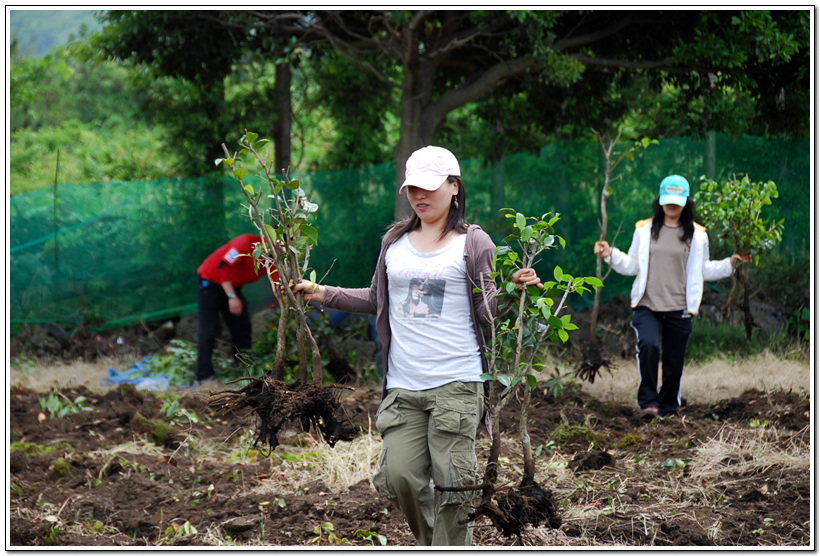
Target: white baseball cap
x=428, y=167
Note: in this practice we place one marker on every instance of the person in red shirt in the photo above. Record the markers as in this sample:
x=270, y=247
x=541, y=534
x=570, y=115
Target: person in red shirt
x=219, y=290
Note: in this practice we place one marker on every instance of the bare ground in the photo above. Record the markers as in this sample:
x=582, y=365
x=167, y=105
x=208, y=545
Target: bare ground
x=733, y=469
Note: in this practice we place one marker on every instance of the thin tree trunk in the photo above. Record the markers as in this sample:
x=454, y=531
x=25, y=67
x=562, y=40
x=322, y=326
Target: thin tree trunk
x=710, y=155
x=284, y=120
x=748, y=318
x=606, y=153
x=281, y=339
x=526, y=442
x=410, y=139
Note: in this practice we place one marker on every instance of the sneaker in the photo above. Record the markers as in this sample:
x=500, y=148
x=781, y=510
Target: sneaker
x=649, y=412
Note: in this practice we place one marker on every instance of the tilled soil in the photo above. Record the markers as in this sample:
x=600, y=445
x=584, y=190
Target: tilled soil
x=619, y=480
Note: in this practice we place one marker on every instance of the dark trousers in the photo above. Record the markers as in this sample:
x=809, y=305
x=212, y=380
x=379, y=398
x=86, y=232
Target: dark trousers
x=674, y=329
x=212, y=302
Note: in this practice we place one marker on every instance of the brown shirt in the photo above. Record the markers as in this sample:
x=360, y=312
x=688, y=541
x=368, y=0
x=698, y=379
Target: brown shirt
x=666, y=279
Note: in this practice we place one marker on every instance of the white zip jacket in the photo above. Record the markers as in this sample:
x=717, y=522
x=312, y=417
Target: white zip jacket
x=698, y=266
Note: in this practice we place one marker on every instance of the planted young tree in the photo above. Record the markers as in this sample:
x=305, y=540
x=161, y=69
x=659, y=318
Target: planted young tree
x=732, y=211
x=593, y=361
x=518, y=348
x=280, y=210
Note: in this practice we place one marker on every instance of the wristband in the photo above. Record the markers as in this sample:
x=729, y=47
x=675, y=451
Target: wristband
x=231, y=295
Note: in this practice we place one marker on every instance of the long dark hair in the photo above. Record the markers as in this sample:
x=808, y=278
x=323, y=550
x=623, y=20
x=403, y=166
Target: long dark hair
x=456, y=218
x=687, y=220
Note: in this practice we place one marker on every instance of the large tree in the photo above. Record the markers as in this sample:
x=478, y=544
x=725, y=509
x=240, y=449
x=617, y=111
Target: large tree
x=551, y=72
x=451, y=58
x=188, y=56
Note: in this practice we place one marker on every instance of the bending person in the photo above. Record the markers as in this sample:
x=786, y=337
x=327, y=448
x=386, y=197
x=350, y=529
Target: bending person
x=220, y=279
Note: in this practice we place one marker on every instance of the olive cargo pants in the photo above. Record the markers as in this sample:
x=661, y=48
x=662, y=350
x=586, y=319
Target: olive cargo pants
x=430, y=434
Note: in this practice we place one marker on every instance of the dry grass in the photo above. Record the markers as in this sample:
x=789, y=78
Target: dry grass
x=42, y=376
x=702, y=383
x=732, y=458
x=742, y=453
x=339, y=468
x=713, y=381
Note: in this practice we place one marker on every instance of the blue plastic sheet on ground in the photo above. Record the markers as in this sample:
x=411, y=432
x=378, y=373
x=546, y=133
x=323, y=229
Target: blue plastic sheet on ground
x=138, y=375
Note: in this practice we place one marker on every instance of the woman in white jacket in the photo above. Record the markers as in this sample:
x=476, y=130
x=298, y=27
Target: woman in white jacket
x=669, y=257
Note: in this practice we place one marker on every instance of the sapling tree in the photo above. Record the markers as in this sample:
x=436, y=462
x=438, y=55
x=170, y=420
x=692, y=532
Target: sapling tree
x=517, y=349
x=732, y=211
x=281, y=211
x=593, y=360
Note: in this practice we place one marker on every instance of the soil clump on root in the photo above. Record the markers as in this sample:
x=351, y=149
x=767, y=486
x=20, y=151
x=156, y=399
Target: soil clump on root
x=516, y=508
x=275, y=403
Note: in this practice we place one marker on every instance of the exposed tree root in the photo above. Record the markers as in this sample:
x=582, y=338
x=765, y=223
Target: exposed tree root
x=276, y=403
x=515, y=508
x=592, y=365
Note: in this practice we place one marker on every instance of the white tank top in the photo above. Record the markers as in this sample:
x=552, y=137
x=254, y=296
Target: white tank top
x=433, y=341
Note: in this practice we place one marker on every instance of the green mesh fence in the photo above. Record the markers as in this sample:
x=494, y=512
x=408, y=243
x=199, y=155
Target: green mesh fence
x=107, y=255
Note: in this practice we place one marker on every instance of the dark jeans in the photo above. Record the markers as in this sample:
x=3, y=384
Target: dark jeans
x=674, y=329
x=212, y=301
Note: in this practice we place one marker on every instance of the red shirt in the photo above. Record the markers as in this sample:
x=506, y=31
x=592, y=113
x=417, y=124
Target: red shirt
x=228, y=263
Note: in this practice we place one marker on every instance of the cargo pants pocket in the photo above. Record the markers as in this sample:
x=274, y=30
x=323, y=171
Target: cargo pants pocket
x=381, y=480
x=387, y=417
x=463, y=471
x=459, y=407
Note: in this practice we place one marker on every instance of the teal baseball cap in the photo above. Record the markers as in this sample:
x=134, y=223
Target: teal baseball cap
x=674, y=191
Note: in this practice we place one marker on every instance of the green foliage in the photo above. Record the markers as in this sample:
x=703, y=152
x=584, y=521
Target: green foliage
x=58, y=405
x=87, y=154
x=281, y=211
x=631, y=439
x=359, y=109
x=800, y=322
x=177, y=414
x=60, y=466
x=565, y=434
x=559, y=382
x=370, y=536
x=732, y=211
x=263, y=353
x=178, y=363
x=710, y=341
x=157, y=430
x=87, y=111
x=33, y=449
x=673, y=464
x=520, y=342
x=177, y=531
x=52, y=534
x=324, y=534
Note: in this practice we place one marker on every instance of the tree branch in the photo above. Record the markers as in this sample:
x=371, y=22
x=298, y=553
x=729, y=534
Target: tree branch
x=493, y=77
x=589, y=38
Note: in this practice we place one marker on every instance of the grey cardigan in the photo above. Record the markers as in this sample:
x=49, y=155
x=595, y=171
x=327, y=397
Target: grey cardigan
x=479, y=250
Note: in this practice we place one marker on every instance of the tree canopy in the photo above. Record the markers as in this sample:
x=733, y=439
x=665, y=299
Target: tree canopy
x=524, y=77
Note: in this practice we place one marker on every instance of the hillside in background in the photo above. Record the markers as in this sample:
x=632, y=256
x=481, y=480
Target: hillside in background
x=38, y=30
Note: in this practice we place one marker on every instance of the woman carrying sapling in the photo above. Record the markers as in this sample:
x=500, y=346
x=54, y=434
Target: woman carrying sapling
x=669, y=257
x=434, y=396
